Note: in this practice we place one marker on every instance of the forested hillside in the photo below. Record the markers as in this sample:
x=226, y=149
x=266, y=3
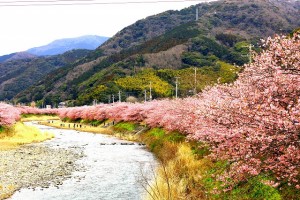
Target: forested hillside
x=16, y=56
x=166, y=42
x=18, y=75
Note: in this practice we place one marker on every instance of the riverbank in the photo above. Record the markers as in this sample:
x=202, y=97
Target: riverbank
x=112, y=168
x=107, y=128
x=35, y=166
x=26, y=165
x=185, y=171
x=181, y=172
x=20, y=134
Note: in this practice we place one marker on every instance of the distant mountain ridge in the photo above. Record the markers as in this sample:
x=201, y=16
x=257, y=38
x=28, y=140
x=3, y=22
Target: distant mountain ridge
x=16, y=56
x=89, y=42
x=19, y=74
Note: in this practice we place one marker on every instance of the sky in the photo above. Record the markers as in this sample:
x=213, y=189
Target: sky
x=43, y=21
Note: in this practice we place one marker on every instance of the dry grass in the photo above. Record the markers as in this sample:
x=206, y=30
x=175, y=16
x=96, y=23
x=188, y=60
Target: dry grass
x=180, y=177
x=23, y=134
x=84, y=127
x=126, y=136
x=101, y=129
x=39, y=118
x=6, y=191
x=54, y=121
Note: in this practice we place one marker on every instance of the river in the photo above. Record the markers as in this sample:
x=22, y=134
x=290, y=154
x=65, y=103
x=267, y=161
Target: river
x=113, y=168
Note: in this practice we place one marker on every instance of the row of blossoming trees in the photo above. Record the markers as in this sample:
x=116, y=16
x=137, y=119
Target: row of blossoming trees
x=252, y=123
x=10, y=114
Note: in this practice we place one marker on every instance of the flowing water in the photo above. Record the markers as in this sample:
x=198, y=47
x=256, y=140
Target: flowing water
x=112, y=170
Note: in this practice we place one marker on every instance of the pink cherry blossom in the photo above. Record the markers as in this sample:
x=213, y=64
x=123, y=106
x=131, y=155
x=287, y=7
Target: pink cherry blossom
x=8, y=114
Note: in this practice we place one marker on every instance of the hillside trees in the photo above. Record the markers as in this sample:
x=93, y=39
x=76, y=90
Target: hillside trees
x=142, y=82
x=205, y=51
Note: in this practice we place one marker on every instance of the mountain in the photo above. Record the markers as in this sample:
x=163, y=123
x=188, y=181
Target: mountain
x=60, y=46
x=20, y=70
x=164, y=46
x=16, y=56
x=247, y=18
x=17, y=75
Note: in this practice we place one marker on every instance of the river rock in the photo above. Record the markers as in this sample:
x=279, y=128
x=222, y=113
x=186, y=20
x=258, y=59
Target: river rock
x=35, y=166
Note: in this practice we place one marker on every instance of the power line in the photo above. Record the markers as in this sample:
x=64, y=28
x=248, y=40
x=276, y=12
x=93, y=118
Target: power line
x=81, y=2
x=45, y=1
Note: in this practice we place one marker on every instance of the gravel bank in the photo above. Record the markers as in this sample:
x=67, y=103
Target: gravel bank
x=35, y=166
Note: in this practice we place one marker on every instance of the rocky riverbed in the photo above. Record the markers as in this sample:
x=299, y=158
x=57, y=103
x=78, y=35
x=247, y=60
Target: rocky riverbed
x=35, y=166
x=76, y=165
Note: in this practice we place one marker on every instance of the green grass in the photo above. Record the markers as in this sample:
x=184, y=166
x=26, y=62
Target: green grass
x=175, y=137
x=157, y=132
x=125, y=126
x=92, y=122
x=254, y=189
x=1, y=129
x=159, y=138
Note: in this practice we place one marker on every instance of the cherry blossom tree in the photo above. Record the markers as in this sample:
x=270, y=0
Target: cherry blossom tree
x=8, y=115
x=254, y=123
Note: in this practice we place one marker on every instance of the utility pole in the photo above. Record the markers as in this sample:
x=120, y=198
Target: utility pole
x=176, y=89
x=119, y=96
x=95, y=102
x=250, y=53
x=195, y=76
x=145, y=95
x=150, y=91
x=250, y=46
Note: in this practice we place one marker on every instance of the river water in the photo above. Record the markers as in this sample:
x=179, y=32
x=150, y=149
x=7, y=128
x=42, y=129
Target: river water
x=112, y=170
